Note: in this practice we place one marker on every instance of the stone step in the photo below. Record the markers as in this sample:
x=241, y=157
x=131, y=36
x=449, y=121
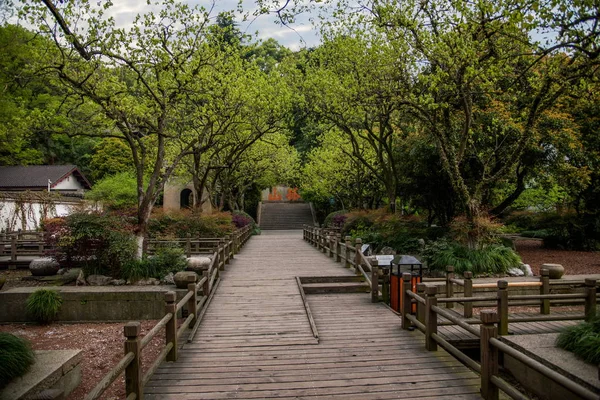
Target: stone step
x=335, y=287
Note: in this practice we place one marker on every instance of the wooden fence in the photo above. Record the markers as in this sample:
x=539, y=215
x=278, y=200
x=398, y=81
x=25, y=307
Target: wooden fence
x=494, y=324
x=329, y=241
x=196, y=306
x=22, y=244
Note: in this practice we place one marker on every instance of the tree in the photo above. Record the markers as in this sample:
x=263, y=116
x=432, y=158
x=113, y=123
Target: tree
x=152, y=81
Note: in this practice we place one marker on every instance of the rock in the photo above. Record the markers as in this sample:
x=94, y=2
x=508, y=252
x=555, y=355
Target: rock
x=526, y=268
x=198, y=264
x=43, y=267
x=71, y=275
x=168, y=279
x=515, y=272
x=387, y=251
x=182, y=278
x=421, y=242
x=366, y=249
x=98, y=280
x=147, y=282
x=556, y=270
x=62, y=271
x=80, y=279
x=118, y=282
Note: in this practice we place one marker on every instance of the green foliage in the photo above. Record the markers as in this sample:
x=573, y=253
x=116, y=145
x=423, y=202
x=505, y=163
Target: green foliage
x=490, y=259
x=100, y=243
x=335, y=219
x=166, y=260
x=111, y=156
x=16, y=357
x=178, y=224
x=583, y=340
x=540, y=233
x=117, y=191
x=43, y=305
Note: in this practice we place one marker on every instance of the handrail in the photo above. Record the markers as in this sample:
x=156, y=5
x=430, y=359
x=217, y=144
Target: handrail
x=426, y=321
x=197, y=306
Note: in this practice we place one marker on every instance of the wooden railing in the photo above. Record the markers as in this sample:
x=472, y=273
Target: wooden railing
x=329, y=241
x=196, y=307
x=493, y=324
x=22, y=244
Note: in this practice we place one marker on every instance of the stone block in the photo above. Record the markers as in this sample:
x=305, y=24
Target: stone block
x=44, y=267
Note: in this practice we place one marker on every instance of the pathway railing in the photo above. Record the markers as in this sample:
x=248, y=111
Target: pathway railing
x=22, y=244
x=329, y=241
x=493, y=324
x=196, y=306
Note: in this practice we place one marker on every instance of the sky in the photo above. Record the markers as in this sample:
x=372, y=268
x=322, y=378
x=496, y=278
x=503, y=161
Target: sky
x=303, y=33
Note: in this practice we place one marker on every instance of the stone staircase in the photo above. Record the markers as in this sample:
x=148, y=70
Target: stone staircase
x=285, y=216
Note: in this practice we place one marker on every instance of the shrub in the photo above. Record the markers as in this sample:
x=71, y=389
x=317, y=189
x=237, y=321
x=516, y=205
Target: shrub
x=583, y=340
x=490, y=259
x=335, y=219
x=177, y=224
x=115, y=192
x=16, y=357
x=167, y=259
x=43, y=305
x=241, y=219
x=540, y=233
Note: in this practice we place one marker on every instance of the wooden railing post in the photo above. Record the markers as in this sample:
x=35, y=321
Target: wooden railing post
x=228, y=248
x=329, y=249
x=488, y=354
x=222, y=256
x=319, y=239
x=13, y=248
x=171, y=327
x=449, y=285
x=348, y=240
x=406, y=276
x=338, y=248
x=357, y=256
x=420, y=306
x=590, y=299
x=545, y=289
x=502, y=307
x=468, y=292
x=374, y=284
x=430, y=318
x=192, y=304
x=385, y=284
x=133, y=372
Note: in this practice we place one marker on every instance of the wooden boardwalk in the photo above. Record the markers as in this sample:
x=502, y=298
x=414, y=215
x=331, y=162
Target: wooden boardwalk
x=255, y=341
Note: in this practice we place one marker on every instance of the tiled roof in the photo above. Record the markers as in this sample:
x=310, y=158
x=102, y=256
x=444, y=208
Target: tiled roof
x=37, y=176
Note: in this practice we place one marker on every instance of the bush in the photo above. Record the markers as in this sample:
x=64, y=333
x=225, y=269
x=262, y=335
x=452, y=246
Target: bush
x=241, y=219
x=43, y=305
x=166, y=260
x=335, y=219
x=583, y=340
x=100, y=243
x=16, y=357
x=178, y=224
x=115, y=192
x=540, y=234
x=490, y=259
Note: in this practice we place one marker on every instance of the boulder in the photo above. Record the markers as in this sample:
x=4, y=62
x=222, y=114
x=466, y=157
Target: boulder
x=80, y=281
x=98, y=280
x=387, y=251
x=147, y=282
x=168, y=279
x=182, y=278
x=526, y=268
x=43, y=267
x=118, y=282
x=515, y=272
x=70, y=275
x=198, y=264
x=556, y=271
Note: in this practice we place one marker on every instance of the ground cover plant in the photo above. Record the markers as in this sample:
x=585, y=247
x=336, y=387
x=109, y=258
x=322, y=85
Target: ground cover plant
x=184, y=223
x=583, y=340
x=16, y=357
x=43, y=305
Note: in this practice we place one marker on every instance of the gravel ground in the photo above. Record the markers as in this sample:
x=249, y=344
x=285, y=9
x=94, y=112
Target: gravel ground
x=575, y=262
x=102, y=346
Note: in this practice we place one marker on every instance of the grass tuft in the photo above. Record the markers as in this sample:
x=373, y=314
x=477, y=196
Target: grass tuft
x=16, y=357
x=43, y=305
x=583, y=340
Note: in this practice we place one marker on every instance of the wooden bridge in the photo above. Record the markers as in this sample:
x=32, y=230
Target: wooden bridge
x=261, y=335
x=255, y=340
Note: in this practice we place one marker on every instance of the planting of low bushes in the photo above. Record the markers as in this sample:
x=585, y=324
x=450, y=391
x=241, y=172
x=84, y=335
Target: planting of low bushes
x=583, y=340
x=489, y=259
x=43, y=305
x=335, y=219
x=181, y=223
x=166, y=260
x=16, y=357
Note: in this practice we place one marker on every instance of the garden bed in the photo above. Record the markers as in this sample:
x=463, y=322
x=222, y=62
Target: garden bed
x=533, y=253
x=101, y=344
